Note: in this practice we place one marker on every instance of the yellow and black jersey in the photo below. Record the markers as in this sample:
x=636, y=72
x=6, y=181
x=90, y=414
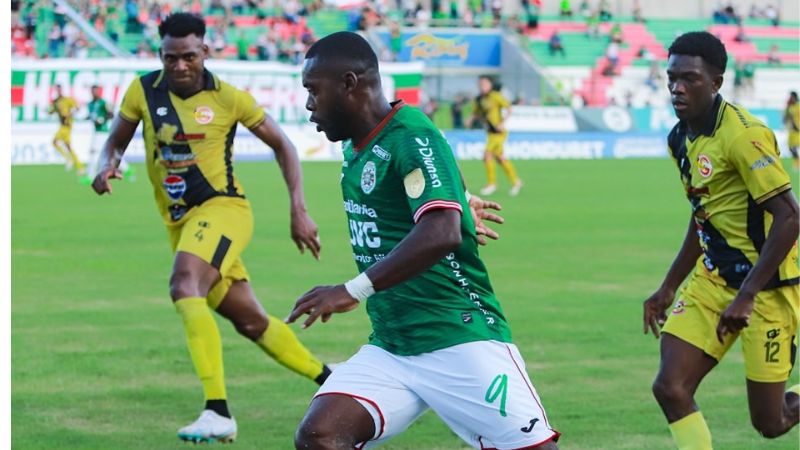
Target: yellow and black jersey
x=489, y=108
x=729, y=169
x=189, y=142
x=64, y=107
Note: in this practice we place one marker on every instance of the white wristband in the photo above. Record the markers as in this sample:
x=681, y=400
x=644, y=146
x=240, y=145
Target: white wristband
x=360, y=287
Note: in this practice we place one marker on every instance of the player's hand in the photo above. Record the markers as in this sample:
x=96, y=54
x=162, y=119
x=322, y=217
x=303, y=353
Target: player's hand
x=655, y=311
x=479, y=209
x=101, y=183
x=735, y=317
x=322, y=301
x=304, y=233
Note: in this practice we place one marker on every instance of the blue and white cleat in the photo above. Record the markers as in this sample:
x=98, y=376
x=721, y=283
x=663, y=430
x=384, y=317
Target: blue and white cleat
x=209, y=427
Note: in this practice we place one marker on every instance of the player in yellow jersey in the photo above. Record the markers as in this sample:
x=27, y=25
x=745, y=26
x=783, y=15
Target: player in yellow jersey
x=492, y=109
x=740, y=249
x=190, y=118
x=65, y=108
x=791, y=118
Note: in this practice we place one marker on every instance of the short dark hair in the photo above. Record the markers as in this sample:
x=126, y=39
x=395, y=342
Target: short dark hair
x=793, y=94
x=182, y=24
x=702, y=44
x=347, y=48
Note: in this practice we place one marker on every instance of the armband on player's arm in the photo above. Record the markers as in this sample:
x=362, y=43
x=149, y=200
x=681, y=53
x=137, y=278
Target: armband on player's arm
x=360, y=287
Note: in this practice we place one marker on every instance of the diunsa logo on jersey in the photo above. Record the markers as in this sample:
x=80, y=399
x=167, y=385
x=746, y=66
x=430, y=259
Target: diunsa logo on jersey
x=704, y=166
x=368, y=177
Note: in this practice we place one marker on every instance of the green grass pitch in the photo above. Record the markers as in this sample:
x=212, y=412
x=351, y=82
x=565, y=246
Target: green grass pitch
x=98, y=354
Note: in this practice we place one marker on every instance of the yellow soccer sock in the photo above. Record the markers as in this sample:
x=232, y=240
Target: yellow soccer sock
x=205, y=345
x=76, y=162
x=280, y=342
x=491, y=172
x=691, y=433
x=511, y=173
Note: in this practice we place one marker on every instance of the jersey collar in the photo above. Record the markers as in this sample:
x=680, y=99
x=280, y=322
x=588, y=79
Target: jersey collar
x=211, y=81
x=713, y=119
x=396, y=105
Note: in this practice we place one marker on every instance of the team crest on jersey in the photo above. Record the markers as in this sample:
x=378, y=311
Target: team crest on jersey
x=704, y=166
x=175, y=186
x=203, y=115
x=368, y=177
x=679, y=307
x=414, y=183
x=166, y=133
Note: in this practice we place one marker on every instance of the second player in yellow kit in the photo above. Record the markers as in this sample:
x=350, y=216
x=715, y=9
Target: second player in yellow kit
x=65, y=107
x=740, y=248
x=492, y=108
x=190, y=119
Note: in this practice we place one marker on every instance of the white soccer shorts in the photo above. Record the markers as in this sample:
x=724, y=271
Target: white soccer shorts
x=480, y=389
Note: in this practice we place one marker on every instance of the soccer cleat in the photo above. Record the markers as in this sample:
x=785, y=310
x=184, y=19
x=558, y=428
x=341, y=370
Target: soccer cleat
x=85, y=180
x=515, y=189
x=488, y=189
x=129, y=174
x=209, y=427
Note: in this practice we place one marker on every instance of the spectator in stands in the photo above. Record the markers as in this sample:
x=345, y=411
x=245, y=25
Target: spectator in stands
x=773, y=58
x=216, y=6
x=593, y=26
x=132, y=24
x=395, y=40
x=612, y=55
x=585, y=9
x=242, y=46
x=605, y=11
x=555, y=45
x=143, y=50
x=54, y=41
x=740, y=36
x=113, y=29
x=615, y=34
x=654, y=79
x=71, y=35
x=457, y=111
x=637, y=14
x=262, y=42
x=565, y=9
x=771, y=13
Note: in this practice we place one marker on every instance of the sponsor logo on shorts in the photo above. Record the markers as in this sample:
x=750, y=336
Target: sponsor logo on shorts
x=679, y=308
x=498, y=390
x=704, y=166
x=203, y=115
x=368, y=177
x=175, y=186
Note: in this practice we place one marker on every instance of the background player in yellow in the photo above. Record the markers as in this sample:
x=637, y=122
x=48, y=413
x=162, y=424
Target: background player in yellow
x=740, y=248
x=791, y=119
x=492, y=109
x=190, y=119
x=65, y=108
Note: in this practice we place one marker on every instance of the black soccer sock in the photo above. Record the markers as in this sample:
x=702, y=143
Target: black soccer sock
x=219, y=406
x=326, y=372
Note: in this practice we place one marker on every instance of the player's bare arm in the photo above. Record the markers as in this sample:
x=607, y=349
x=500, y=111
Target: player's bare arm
x=304, y=230
x=782, y=235
x=437, y=233
x=656, y=305
x=122, y=131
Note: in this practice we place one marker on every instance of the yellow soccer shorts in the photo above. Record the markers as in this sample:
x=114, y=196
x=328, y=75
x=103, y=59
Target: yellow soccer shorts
x=794, y=139
x=217, y=232
x=64, y=134
x=768, y=343
x=495, y=143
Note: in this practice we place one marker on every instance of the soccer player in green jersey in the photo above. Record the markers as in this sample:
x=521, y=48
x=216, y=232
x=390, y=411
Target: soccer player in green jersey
x=100, y=114
x=440, y=339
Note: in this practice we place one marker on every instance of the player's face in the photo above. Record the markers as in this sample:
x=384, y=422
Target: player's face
x=326, y=102
x=95, y=92
x=692, y=86
x=183, y=59
x=485, y=85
